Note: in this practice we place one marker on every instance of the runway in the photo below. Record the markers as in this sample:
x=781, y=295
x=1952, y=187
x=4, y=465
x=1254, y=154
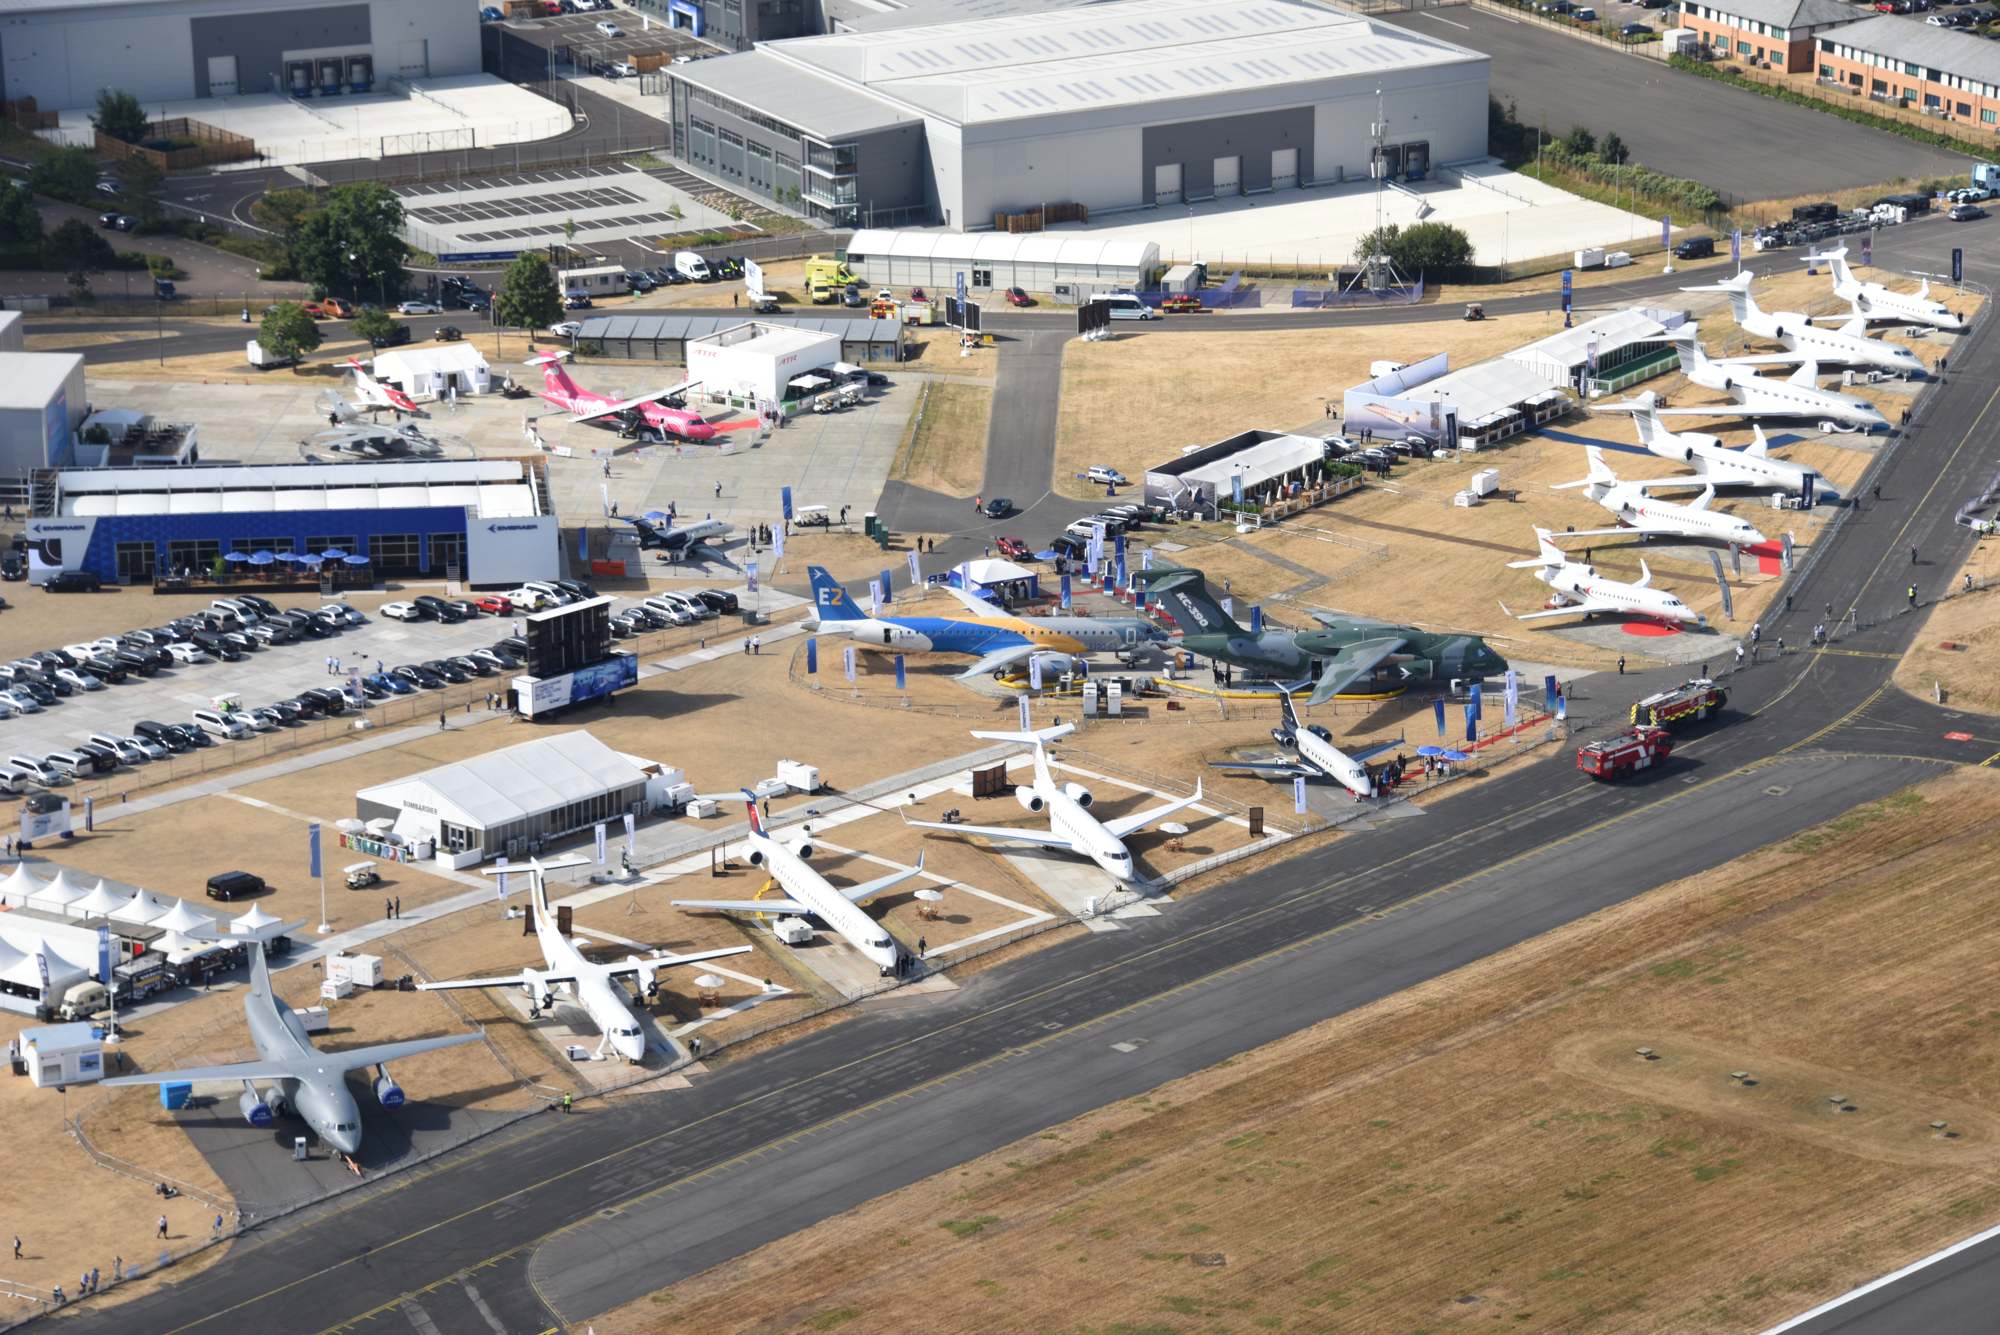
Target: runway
x=560, y=1219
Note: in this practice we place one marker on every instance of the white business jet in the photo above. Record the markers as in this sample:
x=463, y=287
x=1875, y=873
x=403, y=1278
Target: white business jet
x=1318, y=757
x=1848, y=345
x=1072, y=828
x=809, y=894
x=1880, y=303
x=1580, y=590
x=1714, y=463
x=1797, y=396
x=597, y=988
x=1654, y=518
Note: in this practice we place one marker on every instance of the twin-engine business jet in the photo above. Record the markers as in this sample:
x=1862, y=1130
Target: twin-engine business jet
x=1714, y=463
x=597, y=988
x=1654, y=518
x=811, y=895
x=1798, y=396
x=1071, y=826
x=1848, y=345
x=301, y=1078
x=1582, y=591
x=1883, y=304
x=1318, y=757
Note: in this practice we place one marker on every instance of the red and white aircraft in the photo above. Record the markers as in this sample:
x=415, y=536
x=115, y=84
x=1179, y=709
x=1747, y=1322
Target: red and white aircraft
x=588, y=406
x=375, y=394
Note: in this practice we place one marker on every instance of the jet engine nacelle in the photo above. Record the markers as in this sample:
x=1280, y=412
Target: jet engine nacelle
x=1283, y=737
x=255, y=1110
x=1029, y=798
x=756, y=857
x=647, y=975
x=275, y=1100
x=804, y=850
x=1078, y=794
x=1319, y=732
x=387, y=1092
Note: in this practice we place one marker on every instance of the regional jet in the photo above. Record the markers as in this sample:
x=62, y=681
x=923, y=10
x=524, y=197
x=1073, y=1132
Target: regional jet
x=1318, y=757
x=1884, y=305
x=1580, y=590
x=1798, y=396
x=1714, y=463
x=645, y=413
x=598, y=988
x=1072, y=828
x=1653, y=518
x=809, y=894
x=1848, y=345
x=303, y=1079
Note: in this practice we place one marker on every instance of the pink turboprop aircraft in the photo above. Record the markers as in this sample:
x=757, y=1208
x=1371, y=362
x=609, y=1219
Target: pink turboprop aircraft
x=646, y=410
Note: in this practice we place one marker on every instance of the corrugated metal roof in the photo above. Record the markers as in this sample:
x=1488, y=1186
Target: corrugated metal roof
x=799, y=97
x=1788, y=14
x=1079, y=250
x=600, y=328
x=1917, y=42
x=516, y=783
x=77, y=481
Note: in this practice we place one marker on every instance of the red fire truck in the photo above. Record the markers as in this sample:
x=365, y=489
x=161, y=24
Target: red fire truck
x=1689, y=702
x=1634, y=749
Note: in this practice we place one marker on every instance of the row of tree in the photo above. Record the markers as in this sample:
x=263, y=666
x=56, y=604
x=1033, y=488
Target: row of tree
x=74, y=248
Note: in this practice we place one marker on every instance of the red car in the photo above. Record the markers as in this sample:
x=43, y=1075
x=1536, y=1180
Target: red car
x=495, y=604
x=1182, y=302
x=1016, y=297
x=1013, y=549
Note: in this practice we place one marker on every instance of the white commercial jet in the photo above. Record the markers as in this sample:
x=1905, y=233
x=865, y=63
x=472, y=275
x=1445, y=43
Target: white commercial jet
x=1714, y=463
x=597, y=988
x=1654, y=518
x=811, y=895
x=1581, y=590
x=1798, y=396
x=1881, y=303
x=1848, y=345
x=1318, y=756
x=1071, y=826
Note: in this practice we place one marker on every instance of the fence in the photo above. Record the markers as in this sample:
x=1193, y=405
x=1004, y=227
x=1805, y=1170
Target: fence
x=1322, y=298
x=192, y=145
x=1523, y=9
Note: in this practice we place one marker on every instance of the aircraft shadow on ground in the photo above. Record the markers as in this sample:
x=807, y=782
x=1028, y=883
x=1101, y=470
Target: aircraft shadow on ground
x=669, y=704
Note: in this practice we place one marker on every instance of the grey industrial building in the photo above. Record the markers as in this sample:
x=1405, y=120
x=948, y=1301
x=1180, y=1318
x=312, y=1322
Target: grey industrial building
x=1068, y=264
x=663, y=338
x=1119, y=105
x=61, y=52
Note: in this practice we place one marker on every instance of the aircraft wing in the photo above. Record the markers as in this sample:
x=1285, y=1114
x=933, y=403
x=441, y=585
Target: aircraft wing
x=1370, y=752
x=744, y=905
x=671, y=961
x=257, y=1070
x=1125, y=825
x=998, y=659
x=605, y=410
x=1571, y=610
x=1766, y=359
x=972, y=601
x=1355, y=661
x=860, y=894
x=353, y=1059
x=1045, y=839
x=1283, y=769
x=512, y=980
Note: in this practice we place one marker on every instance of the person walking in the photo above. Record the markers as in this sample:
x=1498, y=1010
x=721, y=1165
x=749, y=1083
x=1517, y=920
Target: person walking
x=1621, y=665
x=1913, y=556
x=388, y=908
x=607, y=468
x=93, y=1279
x=117, y=1269
x=17, y=1246
x=923, y=945
x=718, y=491
x=1912, y=592
x=566, y=1102
x=161, y=1231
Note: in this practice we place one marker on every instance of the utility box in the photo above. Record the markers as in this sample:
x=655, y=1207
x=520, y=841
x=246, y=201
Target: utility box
x=316, y=1019
x=62, y=1054
x=336, y=989
x=360, y=970
x=792, y=931
x=1114, y=698
x=1590, y=258
x=1485, y=482
x=176, y=1094
x=799, y=776
x=1091, y=697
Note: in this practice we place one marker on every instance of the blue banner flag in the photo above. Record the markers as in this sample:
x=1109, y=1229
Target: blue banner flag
x=90, y=813
x=1958, y=264
x=887, y=591
x=1027, y=720
x=812, y=657
x=901, y=681
x=1549, y=691
x=1438, y=705
x=1256, y=618
x=1299, y=795
x=1065, y=590
x=104, y=955
x=916, y=572
x=312, y=850
x=1569, y=279
x=1666, y=231
x=1478, y=705
x=582, y=544
x=1236, y=487
x=1471, y=725
x=785, y=501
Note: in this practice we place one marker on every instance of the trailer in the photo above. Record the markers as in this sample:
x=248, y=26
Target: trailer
x=1635, y=749
x=1690, y=702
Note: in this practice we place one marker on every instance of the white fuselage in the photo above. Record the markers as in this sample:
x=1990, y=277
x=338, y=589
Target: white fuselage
x=1333, y=762
x=1086, y=834
x=1724, y=467
x=1879, y=303
x=1762, y=396
x=1652, y=516
x=600, y=996
x=826, y=902
x=869, y=633
x=1799, y=334
x=1581, y=583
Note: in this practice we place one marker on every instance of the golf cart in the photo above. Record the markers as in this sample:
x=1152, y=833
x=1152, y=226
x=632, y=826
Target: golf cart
x=1475, y=310
x=362, y=875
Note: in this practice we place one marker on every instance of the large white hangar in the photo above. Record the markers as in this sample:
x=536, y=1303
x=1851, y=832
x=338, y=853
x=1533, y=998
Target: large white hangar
x=61, y=52
x=1113, y=106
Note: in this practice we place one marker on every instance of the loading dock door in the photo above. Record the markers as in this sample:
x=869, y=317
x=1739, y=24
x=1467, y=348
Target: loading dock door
x=1284, y=168
x=1167, y=183
x=222, y=76
x=1228, y=177
x=415, y=58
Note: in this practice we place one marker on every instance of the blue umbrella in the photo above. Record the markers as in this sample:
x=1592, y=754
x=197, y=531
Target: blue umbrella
x=288, y=558
x=333, y=553
x=355, y=560
x=1456, y=757
x=309, y=559
x=237, y=556
x=1430, y=750
x=262, y=559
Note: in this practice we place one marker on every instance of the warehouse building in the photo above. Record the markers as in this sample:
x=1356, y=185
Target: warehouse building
x=1942, y=72
x=42, y=405
x=761, y=363
x=61, y=52
x=1778, y=34
x=513, y=801
x=664, y=338
x=1121, y=105
x=1065, y=264
x=489, y=518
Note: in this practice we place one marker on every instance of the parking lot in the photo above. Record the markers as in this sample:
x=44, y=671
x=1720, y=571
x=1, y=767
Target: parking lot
x=575, y=39
x=582, y=208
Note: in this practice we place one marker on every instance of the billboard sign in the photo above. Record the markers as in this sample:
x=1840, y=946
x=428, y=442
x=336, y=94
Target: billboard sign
x=44, y=817
x=511, y=551
x=1381, y=405
x=545, y=695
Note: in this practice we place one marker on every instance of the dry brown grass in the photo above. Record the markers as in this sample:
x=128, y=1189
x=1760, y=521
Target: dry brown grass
x=936, y=348
x=946, y=451
x=1959, y=644
x=1491, y=1135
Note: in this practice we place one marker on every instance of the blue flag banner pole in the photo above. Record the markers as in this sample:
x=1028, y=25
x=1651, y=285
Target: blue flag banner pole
x=1438, y=705
x=812, y=657
x=901, y=681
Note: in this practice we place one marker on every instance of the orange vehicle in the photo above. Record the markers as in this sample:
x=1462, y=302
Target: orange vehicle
x=1182, y=303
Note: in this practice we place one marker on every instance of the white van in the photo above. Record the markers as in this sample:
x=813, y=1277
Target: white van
x=669, y=609
x=222, y=725
x=236, y=614
x=44, y=774
x=691, y=266
x=70, y=764
x=1125, y=306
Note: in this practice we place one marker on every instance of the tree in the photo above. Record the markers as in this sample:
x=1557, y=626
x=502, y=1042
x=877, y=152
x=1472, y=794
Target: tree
x=1612, y=149
x=1381, y=241
x=140, y=181
x=119, y=115
x=1580, y=142
x=1429, y=246
x=351, y=245
x=65, y=173
x=79, y=252
x=287, y=332
x=283, y=211
x=372, y=323
x=528, y=298
x=20, y=220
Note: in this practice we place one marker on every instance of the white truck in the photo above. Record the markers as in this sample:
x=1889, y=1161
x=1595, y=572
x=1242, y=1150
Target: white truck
x=691, y=266
x=263, y=360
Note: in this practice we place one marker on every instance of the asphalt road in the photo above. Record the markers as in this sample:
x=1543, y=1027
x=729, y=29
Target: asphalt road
x=771, y=1143
x=1739, y=142
x=1957, y=1293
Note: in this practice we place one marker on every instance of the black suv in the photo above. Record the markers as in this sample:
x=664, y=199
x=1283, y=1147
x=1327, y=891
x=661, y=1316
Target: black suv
x=73, y=581
x=1695, y=248
x=234, y=885
x=394, y=338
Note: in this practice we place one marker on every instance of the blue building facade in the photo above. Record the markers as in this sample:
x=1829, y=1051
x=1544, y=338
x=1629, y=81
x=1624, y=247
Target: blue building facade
x=424, y=541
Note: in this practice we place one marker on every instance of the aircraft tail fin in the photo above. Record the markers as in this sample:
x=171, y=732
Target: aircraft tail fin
x=260, y=971
x=1687, y=346
x=1551, y=555
x=1924, y=290
x=1292, y=724
x=756, y=821
x=830, y=601
x=1760, y=445
x=1645, y=574
x=1185, y=596
x=1601, y=479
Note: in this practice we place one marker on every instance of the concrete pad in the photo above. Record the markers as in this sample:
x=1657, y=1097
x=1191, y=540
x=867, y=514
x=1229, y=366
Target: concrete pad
x=486, y=214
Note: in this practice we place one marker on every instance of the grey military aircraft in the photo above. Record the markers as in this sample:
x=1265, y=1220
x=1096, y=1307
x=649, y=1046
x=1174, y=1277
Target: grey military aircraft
x=302, y=1079
x=1343, y=654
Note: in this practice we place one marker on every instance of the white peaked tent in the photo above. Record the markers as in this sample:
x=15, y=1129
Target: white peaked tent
x=60, y=893
x=102, y=902
x=26, y=972
x=257, y=925
x=19, y=886
x=186, y=920
x=147, y=907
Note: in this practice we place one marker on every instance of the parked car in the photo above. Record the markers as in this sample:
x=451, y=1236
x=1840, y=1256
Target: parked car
x=1182, y=303
x=490, y=15
x=449, y=333
x=389, y=682
x=610, y=29
x=395, y=338
x=621, y=69
x=402, y=611
x=419, y=308
x=234, y=885
x=1966, y=213
x=1013, y=549
x=1635, y=30
x=1695, y=248
x=566, y=329
x=117, y=222
x=73, y=581
x=576, y=301
x=495, y=604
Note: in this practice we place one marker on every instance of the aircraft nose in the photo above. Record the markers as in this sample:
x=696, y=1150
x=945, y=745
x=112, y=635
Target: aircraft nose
x=347, y=1142
x=632, y=1048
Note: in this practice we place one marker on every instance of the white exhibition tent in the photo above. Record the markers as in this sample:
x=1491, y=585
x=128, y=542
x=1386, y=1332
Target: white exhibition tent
x=102, y=902
x=186, y=920
x=60, y=893
x=19, y=887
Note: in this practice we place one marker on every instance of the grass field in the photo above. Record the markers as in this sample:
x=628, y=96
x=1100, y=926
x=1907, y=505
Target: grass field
x=946, y=451
x=1488, y=1147
x=1956, y=650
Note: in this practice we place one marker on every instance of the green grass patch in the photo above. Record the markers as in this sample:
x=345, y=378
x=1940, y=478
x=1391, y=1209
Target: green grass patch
x=968, y=1228
x=833, y=1318
x=1709, y=1172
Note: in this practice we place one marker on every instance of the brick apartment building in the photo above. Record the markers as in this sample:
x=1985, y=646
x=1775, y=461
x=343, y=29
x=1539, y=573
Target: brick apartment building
x=1779, y=33
x=1949, y=74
